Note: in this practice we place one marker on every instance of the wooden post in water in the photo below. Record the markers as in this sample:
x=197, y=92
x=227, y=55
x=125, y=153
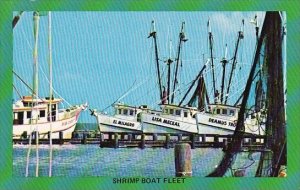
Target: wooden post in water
x=216, y=140
x=167, y=143
x=142, y=145
x=34, y=135
x=154, y=137
x=122, y=136
x=116, y=140
x=203, y=138
x=129, y=137
x=109, y=136
x=225, y=144
x=183, y=160
x=84, y=137
x=192, y=138
x=61, y=138
x=179, y=137
x=24, y=135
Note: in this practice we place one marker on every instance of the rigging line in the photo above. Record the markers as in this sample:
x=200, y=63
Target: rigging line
x=17, y=92
x=53, y=88
x=30, y=89
x=27, y=41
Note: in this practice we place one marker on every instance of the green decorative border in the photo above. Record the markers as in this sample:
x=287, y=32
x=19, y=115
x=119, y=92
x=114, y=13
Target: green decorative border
x=293, y=41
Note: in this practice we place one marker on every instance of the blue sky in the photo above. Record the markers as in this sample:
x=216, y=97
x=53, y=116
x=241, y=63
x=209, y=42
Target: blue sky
x=98, y=56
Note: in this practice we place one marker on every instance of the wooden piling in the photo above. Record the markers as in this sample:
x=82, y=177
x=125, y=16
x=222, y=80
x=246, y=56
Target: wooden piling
x=167, y=143
x=24, y=135
x=192, y=138
x=225, y=144
x=61, y=138
x=179, y=137
x=154, y=137
x=142, y=144
x=183, y=160
x=84, y=138
x=216, y=140
x=203, y=138
x=116, y=140
x=129, y=137
x=122, y=136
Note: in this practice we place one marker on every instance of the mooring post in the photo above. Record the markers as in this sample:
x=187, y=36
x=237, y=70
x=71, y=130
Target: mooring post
x=154, y=137
x=216, y=141
x=167, y=143
x=192, y=138
x=116, y=140
x=84, y=137
x=183, y=160
x=61, y=138
x=34, y=135
x=24, y=135
x=225, y=144
x=179, y=137
x=122, y=136
x=129, y=137
x=142, y=144
x=203, y=138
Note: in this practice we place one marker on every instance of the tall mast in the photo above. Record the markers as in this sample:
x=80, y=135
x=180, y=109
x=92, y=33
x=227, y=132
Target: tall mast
x=36, y=19
x=240, y=36
x=169, y=61
x=181, y=39
x=153, y=34
x=224, y=61
x=50, y=90
x=50, y=55
x=210, y=37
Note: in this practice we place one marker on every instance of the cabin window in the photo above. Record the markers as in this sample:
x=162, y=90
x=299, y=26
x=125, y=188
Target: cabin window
x=171, y=111
x=125, y=111
x=42, y=113
x=131, y=112
x=231, y=112
x=185, y=114
x=119, y=111
x=224, y=111
x=28, y=114
x=218, y=111
x=177, y=112
x=166, y=111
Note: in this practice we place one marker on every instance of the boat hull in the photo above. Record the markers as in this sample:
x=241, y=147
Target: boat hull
x=157, y=124
x=112, y=124
x=66, y=126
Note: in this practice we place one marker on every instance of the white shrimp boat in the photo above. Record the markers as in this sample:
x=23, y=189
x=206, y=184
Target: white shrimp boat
x=63, y=120
x=125, y=119
x=35, y=114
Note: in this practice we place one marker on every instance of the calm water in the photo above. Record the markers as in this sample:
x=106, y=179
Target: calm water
x=90, y=160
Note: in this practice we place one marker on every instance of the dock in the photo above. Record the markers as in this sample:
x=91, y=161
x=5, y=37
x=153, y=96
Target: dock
x=150, y=140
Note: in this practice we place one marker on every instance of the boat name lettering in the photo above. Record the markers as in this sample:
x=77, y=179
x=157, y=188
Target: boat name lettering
x=166, y=121
x=221, y=122
x=129, y=124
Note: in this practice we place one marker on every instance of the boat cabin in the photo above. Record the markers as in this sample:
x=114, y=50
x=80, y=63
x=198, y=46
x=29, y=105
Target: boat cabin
x=24, y=112
x=223, y=110
x=184, y=112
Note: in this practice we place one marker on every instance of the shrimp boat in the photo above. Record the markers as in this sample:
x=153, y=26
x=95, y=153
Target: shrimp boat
x=43, y=115
x=125, y=119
